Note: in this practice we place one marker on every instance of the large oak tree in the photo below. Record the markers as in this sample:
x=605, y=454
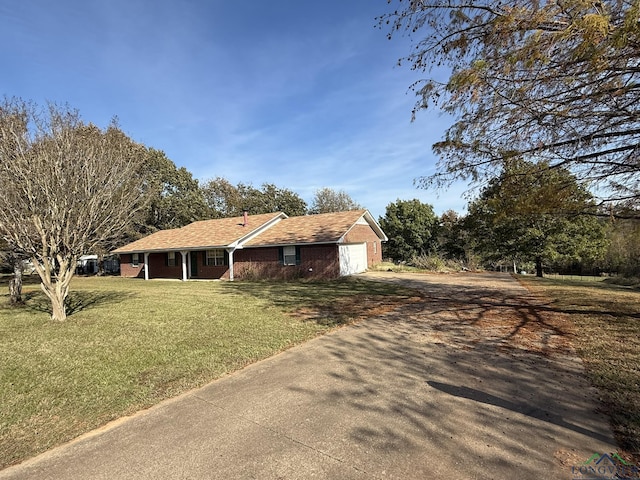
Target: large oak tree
x=551, y=81
x=68, y=188
x=531, y=213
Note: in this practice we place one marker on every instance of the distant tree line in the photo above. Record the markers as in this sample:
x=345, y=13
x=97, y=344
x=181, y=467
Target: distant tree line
x=530, y=218
x=177, y=199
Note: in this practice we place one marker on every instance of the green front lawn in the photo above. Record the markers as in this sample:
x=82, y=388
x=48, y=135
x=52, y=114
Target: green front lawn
x=129, y=344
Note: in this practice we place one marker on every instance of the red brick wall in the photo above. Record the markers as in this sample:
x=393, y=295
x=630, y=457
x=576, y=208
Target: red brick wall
x=128, y=270
x=316, y=262
x=362, y=234
x=158, y=267
x=207, y=271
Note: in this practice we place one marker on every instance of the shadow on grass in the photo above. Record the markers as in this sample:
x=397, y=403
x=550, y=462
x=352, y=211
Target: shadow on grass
x=328, y=303
x=608, y=305
x=77, y=301
x=26, y=280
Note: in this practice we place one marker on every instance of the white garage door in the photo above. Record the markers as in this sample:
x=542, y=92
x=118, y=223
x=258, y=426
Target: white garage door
x=353, y=258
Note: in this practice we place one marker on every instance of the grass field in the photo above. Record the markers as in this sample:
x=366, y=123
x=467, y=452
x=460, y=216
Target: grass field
x=607, y=339
x=129, y=344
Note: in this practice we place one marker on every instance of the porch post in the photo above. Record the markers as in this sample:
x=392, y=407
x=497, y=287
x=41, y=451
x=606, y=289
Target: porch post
x=146, y=265
x=230, y=251
x=183, y=254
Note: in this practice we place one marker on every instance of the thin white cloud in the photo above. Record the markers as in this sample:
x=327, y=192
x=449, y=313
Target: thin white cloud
x=301, y=94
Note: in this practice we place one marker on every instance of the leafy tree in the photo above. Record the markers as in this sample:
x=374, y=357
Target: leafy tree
x=410, y=226
x=449, y=235
x=68, y=188
x=455, y=241
x=556, y=82
x=533, y=213
x=623, y=252
x=175, y=197
x=274, y=199
x=327, y=200
x=223, y=199
x=227, y=200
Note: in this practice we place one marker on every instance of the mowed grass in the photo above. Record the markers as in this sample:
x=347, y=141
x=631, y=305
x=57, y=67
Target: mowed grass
x=129, y=344
x=607, y=339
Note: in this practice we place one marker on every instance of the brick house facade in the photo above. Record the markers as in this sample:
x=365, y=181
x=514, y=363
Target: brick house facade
x=270, y=246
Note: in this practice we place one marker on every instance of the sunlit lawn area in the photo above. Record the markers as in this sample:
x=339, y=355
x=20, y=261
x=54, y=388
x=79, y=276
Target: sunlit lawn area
x=607, y=339
x=129, y=344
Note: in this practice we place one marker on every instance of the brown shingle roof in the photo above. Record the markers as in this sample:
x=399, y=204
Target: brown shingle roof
x=322, y=228
x=262, y=230
x=205, y=233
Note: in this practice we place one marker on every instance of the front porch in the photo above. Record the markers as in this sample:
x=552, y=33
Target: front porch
x=182, y=265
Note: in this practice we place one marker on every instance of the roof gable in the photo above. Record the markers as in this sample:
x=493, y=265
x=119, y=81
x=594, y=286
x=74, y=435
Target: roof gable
x=321, y=228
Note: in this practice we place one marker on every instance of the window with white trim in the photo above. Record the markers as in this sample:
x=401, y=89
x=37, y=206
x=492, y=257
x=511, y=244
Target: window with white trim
x=135, y=259
x=215, y=257
x=289, y=255
x=171, y=259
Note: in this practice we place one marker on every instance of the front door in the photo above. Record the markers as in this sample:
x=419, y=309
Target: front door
x=194, y=264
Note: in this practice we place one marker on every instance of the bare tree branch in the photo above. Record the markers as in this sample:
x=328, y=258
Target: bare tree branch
x=557, y=82
x=69, y=188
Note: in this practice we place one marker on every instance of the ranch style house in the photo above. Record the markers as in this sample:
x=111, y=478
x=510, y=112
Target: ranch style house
x=254, y=247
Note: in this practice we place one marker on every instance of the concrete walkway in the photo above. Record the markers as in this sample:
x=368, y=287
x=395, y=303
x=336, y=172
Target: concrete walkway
x=432, y=391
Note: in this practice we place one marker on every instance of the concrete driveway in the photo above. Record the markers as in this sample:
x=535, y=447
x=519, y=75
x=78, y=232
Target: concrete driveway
x=439, y=389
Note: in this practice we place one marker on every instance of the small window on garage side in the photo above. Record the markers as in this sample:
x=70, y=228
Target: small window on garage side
x=135, y=259
x=289, y=255
x=171, y=259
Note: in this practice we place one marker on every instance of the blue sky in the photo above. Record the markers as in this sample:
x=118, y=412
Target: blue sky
x=302, y=94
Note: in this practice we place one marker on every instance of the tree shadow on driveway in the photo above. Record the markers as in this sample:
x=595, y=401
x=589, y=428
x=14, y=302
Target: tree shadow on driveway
x=472, y=382
x=524, y=409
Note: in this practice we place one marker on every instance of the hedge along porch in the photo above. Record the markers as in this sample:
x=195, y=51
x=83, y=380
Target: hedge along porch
x=258, y=247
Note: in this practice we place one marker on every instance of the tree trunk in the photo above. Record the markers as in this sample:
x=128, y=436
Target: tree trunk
x=58, y=307
x=56, y=285
x=15, y=284
x=100, y=262
x=539, y=267
x=57, y=293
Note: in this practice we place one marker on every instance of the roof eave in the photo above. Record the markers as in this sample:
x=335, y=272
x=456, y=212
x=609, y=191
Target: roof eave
x=287, y=244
